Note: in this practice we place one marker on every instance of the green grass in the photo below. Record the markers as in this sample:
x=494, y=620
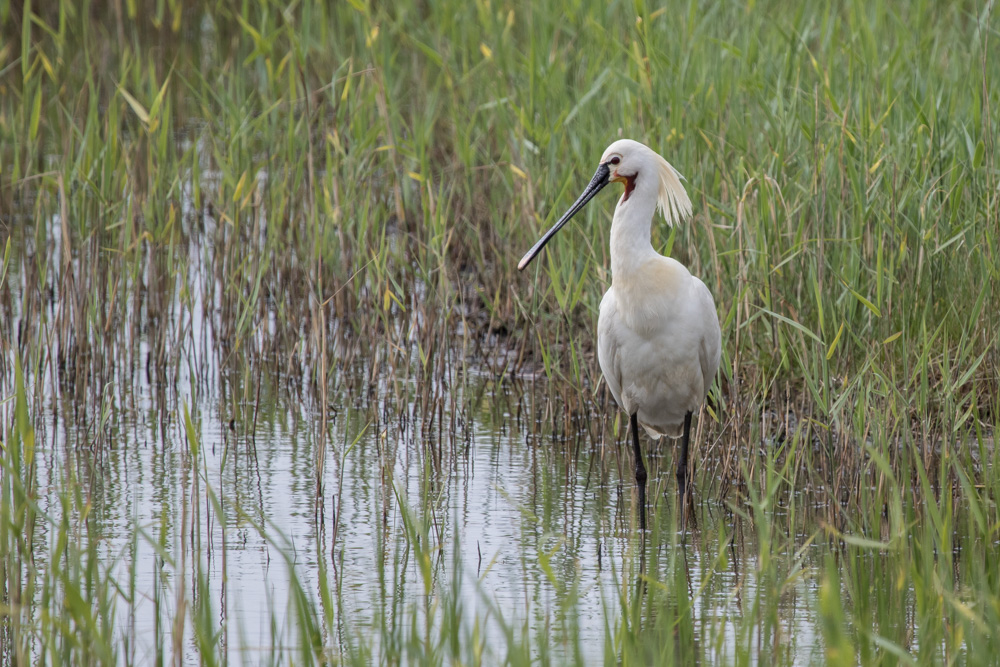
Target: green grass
x=350, y=187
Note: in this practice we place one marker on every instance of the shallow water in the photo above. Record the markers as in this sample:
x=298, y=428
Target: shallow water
x=411, y=491
x=526, y=520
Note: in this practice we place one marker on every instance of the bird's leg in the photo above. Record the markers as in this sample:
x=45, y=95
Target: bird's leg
x=640, y=469
x=682, y=469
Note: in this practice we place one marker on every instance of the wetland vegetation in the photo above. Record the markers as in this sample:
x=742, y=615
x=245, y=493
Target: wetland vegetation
x=272, y=390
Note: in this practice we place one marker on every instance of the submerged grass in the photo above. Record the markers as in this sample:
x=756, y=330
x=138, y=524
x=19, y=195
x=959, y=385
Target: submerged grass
x=258, y=206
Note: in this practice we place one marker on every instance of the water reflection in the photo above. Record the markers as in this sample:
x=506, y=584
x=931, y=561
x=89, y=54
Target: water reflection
x=215, y=471
x=517, y=525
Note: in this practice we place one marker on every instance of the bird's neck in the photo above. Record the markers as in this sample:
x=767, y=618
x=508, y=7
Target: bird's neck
x=630, y=232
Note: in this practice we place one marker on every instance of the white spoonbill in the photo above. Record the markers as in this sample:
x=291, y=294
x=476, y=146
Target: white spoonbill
x=658, y=336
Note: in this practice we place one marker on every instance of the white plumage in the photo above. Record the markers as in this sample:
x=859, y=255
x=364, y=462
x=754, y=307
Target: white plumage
x=658, y=335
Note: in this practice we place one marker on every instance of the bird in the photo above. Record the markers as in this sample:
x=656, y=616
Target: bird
x=658, y=335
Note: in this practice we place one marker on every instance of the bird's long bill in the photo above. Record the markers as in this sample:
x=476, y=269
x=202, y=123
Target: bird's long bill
x=599, y=180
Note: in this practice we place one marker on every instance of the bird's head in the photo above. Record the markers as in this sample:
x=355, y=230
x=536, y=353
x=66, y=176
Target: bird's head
x=630, y=162
x=636, y=166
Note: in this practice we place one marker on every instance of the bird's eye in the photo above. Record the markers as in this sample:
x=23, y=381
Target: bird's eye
x=615, y=160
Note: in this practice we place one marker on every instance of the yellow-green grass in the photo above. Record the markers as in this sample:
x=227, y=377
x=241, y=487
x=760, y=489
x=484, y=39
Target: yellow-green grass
x=367, y=176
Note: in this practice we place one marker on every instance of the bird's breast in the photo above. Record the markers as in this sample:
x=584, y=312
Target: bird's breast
x=649, y=299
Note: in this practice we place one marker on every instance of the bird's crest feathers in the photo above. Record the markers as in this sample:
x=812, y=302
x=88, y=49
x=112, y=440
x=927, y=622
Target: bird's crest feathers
x=672, y=201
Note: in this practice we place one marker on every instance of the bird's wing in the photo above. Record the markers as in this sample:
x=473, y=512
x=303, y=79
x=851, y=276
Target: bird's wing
x=608, y=345
x=710, y=349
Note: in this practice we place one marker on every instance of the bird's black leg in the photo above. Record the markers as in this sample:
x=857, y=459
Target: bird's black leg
x=640, y=469
x=682, y=469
